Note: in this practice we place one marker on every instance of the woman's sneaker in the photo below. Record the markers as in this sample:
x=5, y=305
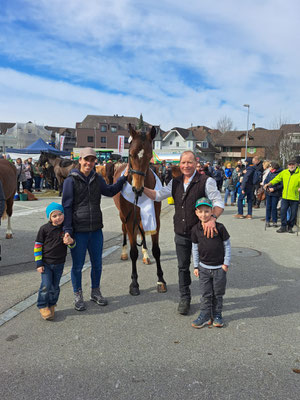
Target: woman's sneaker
x=79, y=303
x=218, y=321
x=201, y=321
x=97, y=297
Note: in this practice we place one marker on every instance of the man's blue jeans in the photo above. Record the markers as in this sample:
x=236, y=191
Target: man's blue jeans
x=49, y=290
x=249, y=195
x=271, y=208
x=93, y=243
x=285, y=204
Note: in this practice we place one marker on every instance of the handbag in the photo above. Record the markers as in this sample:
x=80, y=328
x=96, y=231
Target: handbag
x=260, y=194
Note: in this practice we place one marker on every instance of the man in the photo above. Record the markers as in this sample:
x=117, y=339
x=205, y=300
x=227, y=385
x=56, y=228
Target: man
x=185, y=190
x=247, y=190
x=82, y=192
x=290, y=178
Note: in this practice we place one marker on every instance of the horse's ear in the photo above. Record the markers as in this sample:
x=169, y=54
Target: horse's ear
x=153, y=132
x=132, y=132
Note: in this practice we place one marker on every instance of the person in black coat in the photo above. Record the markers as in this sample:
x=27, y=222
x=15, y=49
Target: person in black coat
x=273, y=194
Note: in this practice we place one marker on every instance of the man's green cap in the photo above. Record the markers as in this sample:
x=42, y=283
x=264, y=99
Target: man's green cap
x=204, y=201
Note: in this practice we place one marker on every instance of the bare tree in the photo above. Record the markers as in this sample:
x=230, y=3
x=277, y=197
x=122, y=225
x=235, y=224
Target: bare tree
x=224, y=124
x=287, y=148
x=277, y=122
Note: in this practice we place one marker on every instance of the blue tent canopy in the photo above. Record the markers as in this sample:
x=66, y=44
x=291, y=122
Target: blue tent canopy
x=38, y=147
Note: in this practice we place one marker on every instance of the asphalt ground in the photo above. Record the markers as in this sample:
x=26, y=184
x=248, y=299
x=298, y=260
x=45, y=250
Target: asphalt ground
x=139, y=347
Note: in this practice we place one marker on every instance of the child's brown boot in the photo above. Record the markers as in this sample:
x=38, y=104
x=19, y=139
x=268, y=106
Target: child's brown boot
x=45, y=313
x=52, y=309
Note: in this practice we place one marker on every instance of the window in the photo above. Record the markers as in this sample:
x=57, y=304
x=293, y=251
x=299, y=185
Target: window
x=113, y=128
x=90, y=139
x=177, y=144
x=227, y=149
x=204, y=145
x=103, y=139
x=126, y=140
x=103, y=128
x=171, y=142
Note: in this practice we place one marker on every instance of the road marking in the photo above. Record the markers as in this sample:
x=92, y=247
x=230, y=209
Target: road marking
x=28, y=211
x=31, y=300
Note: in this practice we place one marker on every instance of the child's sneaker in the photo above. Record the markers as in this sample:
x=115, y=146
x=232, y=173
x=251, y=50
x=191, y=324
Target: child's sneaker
x=45, y=313
x=218, y=321
x=201, y=321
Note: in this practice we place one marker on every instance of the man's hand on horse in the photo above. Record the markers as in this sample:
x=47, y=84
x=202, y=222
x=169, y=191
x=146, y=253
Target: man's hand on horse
x=126, y=170
x=209, y=228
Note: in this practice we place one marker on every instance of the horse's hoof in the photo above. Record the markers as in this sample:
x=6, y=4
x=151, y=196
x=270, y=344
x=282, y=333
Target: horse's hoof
x=8, y=236
x=134, y=291
x=147, y=261
x=124, y=257
x=161, y=287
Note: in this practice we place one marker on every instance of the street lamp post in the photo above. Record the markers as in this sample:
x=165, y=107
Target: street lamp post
x=246, y=147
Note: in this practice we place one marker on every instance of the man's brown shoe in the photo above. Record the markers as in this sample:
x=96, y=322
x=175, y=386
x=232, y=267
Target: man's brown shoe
x=240, y=216
x=248, y=216
x=45, y=313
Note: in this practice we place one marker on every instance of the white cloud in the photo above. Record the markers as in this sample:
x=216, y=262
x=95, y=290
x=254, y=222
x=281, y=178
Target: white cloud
x=128, y=57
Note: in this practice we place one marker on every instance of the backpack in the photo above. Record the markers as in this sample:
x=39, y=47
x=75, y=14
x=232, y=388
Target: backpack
x=257, y=177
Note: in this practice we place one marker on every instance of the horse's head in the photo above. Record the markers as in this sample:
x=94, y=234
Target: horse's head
x=140, y=154
x=43, y=159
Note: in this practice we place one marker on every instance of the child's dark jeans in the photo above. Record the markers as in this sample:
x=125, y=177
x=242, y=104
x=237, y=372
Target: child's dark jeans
x=49, y=289
x=212, y=289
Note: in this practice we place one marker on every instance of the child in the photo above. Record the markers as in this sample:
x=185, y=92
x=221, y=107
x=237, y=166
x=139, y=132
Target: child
x=211, y=257
x=50, y=252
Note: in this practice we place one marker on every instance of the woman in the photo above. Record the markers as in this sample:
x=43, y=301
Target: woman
x=229, y=184
x=82, y=192
x=21, y=175
x=273, y=194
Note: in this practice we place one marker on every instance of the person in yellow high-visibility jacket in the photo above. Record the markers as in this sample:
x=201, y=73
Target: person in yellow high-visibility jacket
x=290, y=178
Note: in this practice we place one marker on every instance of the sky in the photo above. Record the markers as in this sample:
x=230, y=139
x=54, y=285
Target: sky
x=178, y=63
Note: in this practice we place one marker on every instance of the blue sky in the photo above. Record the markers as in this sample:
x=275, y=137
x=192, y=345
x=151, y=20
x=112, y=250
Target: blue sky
x=178, y=64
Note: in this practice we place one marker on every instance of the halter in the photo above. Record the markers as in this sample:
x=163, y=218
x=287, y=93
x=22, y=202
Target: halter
x=135, y=171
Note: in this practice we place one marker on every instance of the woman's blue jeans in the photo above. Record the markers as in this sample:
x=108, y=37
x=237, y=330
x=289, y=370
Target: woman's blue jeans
x=93, y=243
x=271, y=208
x=49, y=290
x=227, y=191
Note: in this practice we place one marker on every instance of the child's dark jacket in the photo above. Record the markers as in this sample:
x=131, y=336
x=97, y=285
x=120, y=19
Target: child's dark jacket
x=211, y=250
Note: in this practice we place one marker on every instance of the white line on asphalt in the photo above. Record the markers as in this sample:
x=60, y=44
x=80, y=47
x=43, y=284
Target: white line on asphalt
x=28, y=212
x=29, y=301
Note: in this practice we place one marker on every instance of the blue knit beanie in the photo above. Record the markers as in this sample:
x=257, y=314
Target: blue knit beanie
x=53, y=207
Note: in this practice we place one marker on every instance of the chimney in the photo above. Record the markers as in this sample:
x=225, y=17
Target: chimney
x=253, y=126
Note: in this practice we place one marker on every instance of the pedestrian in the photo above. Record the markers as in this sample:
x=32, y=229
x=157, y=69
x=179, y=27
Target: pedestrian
x=21, y=175
x=259, y=167
x=290, y=178
x=185, y=190
x=229, y=184
x=29, y=174
x=273, y=194
x=50, y=251
x=81, y=199
x=211, y=258
x=218, y=176
x=246, y=190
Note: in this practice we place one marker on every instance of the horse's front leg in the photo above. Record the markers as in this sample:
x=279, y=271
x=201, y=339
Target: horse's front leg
x=161, y=283
x=124, y=255
x=134, y=286
x=9, y=230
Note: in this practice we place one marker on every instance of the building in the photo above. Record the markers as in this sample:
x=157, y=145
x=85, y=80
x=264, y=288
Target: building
x=102, y=131
x=21, y=135
x=68, y=134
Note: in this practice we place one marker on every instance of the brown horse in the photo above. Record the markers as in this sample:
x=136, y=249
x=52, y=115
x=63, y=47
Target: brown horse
x=61, y=167
x=140, y=153
x=8, y=188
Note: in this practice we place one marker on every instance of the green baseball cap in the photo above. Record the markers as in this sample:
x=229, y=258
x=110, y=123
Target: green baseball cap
x=204, y=201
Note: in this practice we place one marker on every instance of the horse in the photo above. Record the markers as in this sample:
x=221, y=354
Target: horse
x=140, y=153
x=8, y=188
x=61, y=167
